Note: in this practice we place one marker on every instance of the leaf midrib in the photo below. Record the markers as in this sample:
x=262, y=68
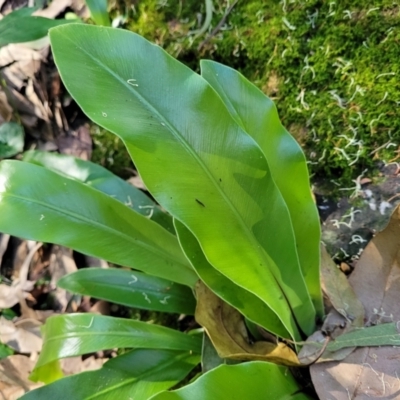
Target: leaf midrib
x=103, y=227
x=139, y=377
x=206, y=170
x=129, y=334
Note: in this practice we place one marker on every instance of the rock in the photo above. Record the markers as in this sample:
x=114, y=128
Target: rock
x=350, y=223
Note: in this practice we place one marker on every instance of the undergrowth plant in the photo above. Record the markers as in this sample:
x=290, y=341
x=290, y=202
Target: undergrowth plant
x=235, y=241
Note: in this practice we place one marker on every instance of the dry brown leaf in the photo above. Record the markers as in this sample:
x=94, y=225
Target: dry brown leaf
x=4, y=239
x=137, y=182
x=334, y=325
x=226, y=328
x=22, y=336
x=75, y=365
x=101, y=307
x=14, y=372
x=11, y=295
x=22, y=62
x=339, y=291
x=40, y=106
x=61, y=263
x=347, y=313
x=370, y=372
x=77, y=142
x=5, y=108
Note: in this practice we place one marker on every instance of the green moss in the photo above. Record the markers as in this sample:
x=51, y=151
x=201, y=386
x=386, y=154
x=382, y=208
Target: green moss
x=328, y=60
x=332, y=68
x=110, y=152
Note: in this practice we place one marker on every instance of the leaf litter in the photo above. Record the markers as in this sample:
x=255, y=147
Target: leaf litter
x=371, y=372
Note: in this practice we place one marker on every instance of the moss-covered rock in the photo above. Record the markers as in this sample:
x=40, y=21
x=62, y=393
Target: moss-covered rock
x=332, y=68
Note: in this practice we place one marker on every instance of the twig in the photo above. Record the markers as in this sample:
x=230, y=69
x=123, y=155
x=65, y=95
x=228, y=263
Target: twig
x=320, y=353
x=218, y=27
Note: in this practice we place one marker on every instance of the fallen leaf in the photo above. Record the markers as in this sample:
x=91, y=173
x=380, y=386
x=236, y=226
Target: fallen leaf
x=226, y=328
x=20, y=62
x=61, y=264
x=75, y=365
x=11, y=295
x=334, y=325
x=14, y=372
x=341, y=295
x=101, y=307
x=76, y=142
x=347, y=313
x=5, y=108
x=370, y=372
x=22, y=336
x=137, y=182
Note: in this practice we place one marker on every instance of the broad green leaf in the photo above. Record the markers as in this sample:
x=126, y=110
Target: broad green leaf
x=195, y=160
x=252, y=380
x=22, y=12
x=137, y=375
x=257, y=115
x=378, y=335
x=98, y=11
x=131, y=289
x=248, y=304
x=76, y=334
x=11, y=139
x=101, y=179
x=19, y=26
x=38, y=204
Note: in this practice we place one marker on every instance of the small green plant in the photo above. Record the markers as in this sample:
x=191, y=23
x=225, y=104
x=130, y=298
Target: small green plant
x=21, y=26
x=233, y=237
x=240, y=230
x=235, y=242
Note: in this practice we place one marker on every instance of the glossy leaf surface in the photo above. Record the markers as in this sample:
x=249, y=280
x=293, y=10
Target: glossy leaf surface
x=253, y=380
x=69, y=213
x=138, y=374
x=258, y=116
x=248, y=304
x=11, y=139
x=101, y=179
x=131, y=289
x=19, y=26
x=76, y=334
x=195, y=160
